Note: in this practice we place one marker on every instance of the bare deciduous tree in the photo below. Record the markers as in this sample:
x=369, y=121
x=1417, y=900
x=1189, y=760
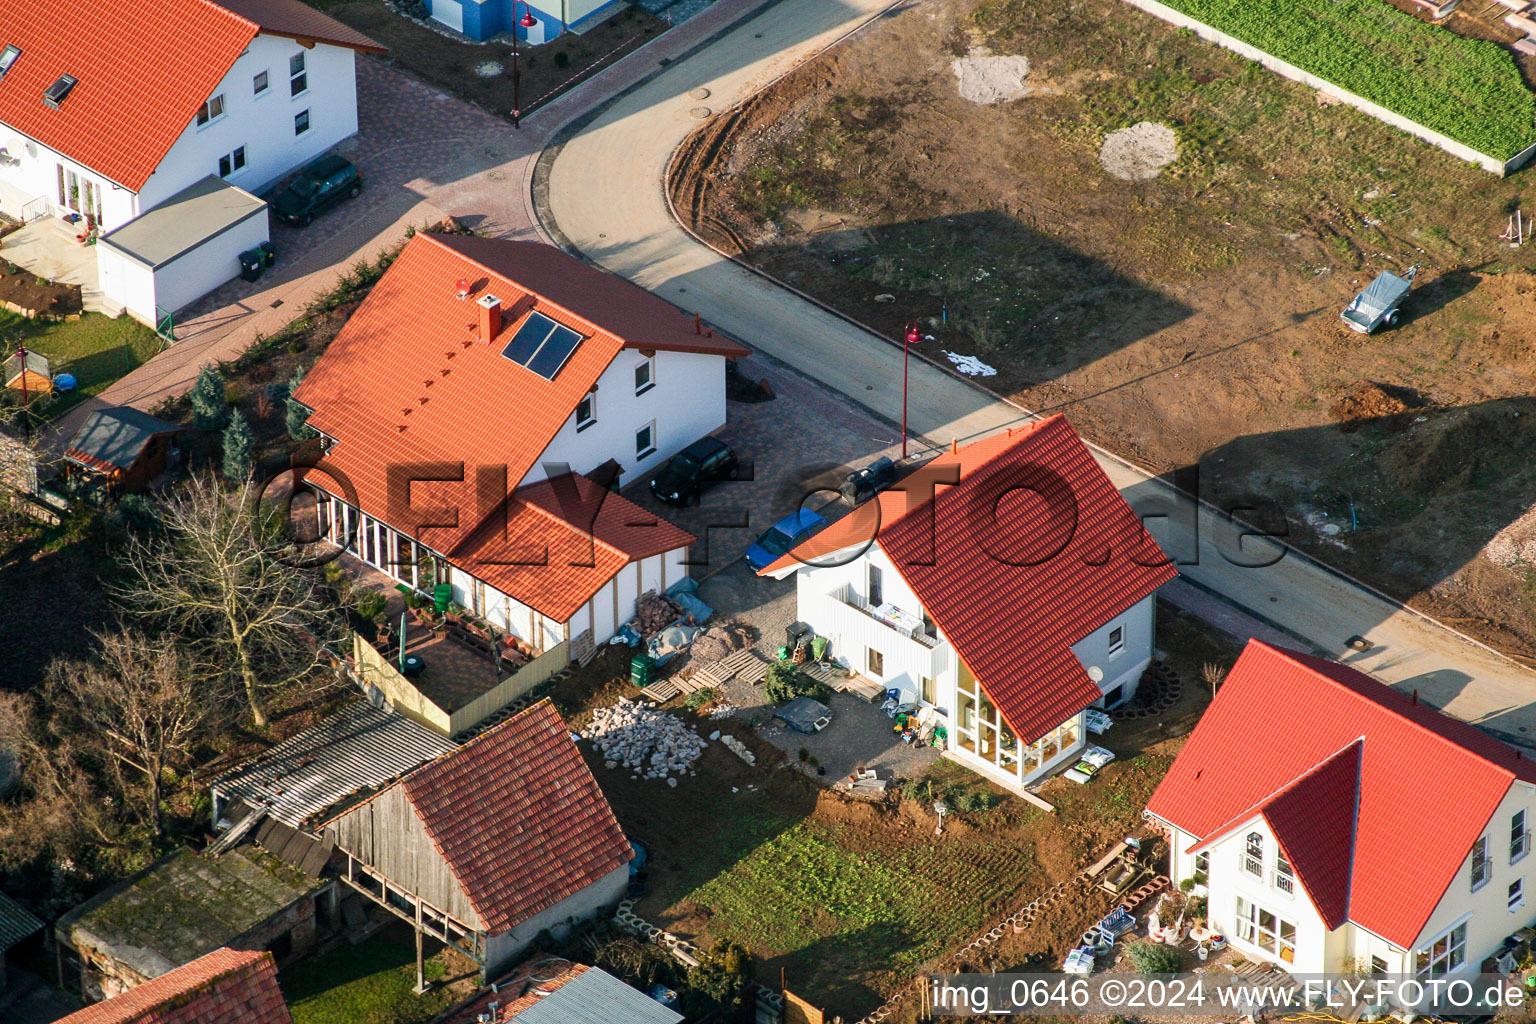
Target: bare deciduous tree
x=140, y=704
x=218, y=579
x=64, y=807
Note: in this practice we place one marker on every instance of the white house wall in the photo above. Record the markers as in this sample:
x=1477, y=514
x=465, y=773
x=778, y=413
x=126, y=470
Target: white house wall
x=501, y=949
x=1228, y=880
x=1490, y=917
x=1125, y=668
x=264, y=124
x=126, y=281
x=853, y=634
x=36, y=175
x=687, y=402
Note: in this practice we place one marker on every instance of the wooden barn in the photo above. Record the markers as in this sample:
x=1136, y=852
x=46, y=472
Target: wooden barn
x=124, y=447
x=29, y=373
x=486, y=847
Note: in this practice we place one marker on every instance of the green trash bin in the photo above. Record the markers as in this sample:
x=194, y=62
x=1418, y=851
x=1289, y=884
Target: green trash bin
x=442, y=596
x=640, y=668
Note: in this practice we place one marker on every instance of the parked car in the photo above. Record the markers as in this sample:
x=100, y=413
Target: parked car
x=316, y=189
x=683, y=478
x=782, y=536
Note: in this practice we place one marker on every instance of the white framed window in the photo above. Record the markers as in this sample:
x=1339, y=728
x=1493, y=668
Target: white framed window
x=927, y=691
x=586, y=412
x=1378, y=965
x=1253, y=855
x=876, y=591
x=301, y=122
x=1116, y=640
x=1285, y=876
x=298, y=76
x=1519, y=836
x=1516, y=895
x=645, y=440
x=1266, y=930
x=1203, y=864
x=259, y=84
x=229, y=163
x=645, y=376
x=8, y=57
x=211, y=110
x=875, y=662
x=1444, y=955
x=1481, y=869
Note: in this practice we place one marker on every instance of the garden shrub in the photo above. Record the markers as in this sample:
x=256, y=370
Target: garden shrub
x=1154, y=957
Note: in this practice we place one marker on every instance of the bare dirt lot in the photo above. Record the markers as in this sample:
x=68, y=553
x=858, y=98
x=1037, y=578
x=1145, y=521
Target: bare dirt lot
x=1183, y=312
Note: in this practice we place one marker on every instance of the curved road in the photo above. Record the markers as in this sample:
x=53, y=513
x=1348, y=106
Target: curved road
x=602, y=196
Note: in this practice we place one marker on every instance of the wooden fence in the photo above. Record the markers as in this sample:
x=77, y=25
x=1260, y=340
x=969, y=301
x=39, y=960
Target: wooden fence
x=376, y=670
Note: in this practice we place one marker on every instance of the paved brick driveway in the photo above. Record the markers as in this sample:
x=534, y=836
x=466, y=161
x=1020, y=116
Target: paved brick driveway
x=803, y=438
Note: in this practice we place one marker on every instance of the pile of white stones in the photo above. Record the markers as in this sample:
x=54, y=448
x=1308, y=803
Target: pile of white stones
x=635, y=735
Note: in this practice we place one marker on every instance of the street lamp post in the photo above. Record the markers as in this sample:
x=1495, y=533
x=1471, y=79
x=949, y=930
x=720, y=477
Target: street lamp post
x=526, y=21
x=912, y=337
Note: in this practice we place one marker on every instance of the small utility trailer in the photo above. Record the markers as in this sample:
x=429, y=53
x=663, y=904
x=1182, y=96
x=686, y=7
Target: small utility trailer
x=1378, y=303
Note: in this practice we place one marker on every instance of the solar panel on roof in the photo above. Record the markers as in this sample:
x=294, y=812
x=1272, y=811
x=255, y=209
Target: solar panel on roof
x=542, y=345
x=556, y=350
x=528, y=338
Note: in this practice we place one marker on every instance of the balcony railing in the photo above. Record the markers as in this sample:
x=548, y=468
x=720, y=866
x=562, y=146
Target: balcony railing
x=853, y=599
x=1285, y=882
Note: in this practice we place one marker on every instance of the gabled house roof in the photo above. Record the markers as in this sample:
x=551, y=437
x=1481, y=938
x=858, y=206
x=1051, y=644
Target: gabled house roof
x=142, y=70
x=408, y=380
x=1339, y=765
x=1018, y=546
x=227, y=986
x=518, y=818
x=113, y=438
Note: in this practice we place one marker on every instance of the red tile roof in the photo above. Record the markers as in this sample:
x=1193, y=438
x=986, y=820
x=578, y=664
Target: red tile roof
x=561, y=541
x=295, y=19
x=518, y=818
x=1282, y=738
x=407, y=381
x=227, y=986
x=143, y=71
x=1018, y=546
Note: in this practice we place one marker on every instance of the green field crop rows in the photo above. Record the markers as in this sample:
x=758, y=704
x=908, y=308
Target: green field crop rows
x=1467, y=89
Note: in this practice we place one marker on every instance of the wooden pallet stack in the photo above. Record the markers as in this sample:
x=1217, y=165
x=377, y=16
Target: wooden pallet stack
x=748, y=665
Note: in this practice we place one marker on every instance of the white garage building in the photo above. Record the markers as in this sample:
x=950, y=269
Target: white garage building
x=182, y=249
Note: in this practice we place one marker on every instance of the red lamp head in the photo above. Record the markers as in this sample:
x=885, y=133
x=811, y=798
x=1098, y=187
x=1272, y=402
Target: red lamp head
x=461, y=288
x=913, y=335
x=527, y=20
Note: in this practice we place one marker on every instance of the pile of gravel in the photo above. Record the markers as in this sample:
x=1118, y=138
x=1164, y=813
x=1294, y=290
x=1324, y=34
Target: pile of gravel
x=1140, y=151
x=985, y=79
x=651, y=743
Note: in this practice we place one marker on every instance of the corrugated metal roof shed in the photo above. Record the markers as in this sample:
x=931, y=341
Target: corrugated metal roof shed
x=350, y=754
x=16, y=922
x=595, y=997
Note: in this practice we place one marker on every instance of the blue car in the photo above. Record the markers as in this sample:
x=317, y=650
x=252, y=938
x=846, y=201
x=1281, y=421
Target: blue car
x=782, y=536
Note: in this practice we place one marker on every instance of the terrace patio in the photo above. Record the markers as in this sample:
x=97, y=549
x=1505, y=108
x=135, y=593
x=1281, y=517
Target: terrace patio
x=454, y=671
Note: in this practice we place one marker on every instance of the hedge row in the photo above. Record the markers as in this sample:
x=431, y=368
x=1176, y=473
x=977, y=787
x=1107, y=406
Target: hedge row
x=1467, y=89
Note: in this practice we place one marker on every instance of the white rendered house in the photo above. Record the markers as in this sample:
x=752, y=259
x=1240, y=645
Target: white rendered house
x=111, y=110
x=480, y=404
x=1007, y=585
x=1343, y=826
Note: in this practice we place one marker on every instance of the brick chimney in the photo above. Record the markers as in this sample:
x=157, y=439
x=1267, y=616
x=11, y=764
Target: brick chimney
x=490, y=317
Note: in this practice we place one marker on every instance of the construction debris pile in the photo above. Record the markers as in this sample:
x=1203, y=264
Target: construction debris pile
x=718, y=641
x=653, y=744
x=652, y=613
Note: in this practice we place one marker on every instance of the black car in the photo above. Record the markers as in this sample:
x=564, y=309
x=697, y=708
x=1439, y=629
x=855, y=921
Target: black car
x=681, y=479
x=316, y=189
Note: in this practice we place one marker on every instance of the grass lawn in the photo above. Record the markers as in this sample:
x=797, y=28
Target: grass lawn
x=1468, y=89
x=97, y=349
x=371, y=983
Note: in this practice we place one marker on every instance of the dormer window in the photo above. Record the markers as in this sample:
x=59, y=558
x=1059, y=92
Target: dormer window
x=55, y=93
x=8, y=57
